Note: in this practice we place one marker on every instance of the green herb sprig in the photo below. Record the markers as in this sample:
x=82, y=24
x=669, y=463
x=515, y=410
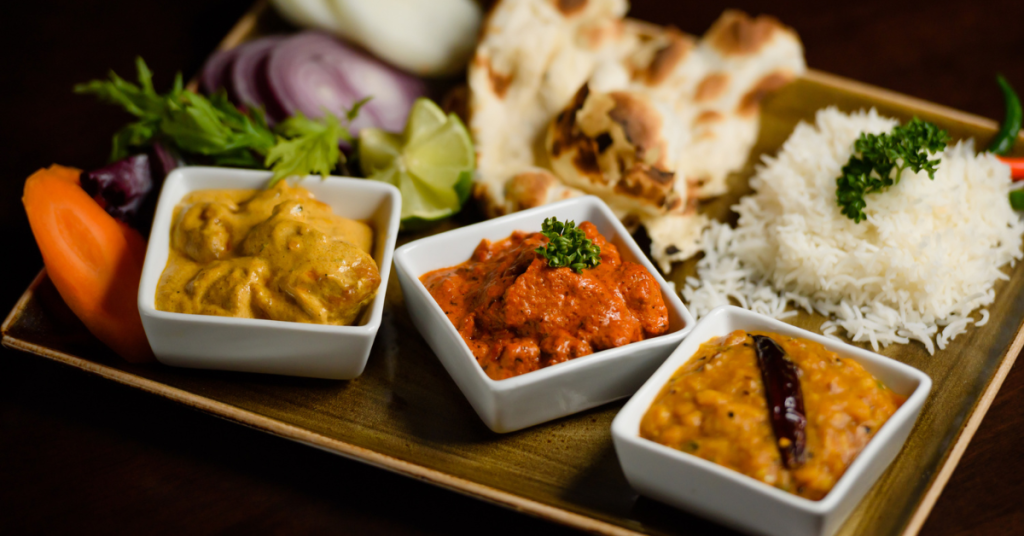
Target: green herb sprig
x=214, y=128
x=568, y=246
x=882, y=159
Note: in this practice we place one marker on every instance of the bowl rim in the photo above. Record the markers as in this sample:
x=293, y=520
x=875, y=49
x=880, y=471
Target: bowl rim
x=477, y=232
x=376, y=310
x=625, y=426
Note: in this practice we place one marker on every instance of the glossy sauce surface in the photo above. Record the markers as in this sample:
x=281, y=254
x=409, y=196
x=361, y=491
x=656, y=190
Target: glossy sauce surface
x=276, y=254
x=714, y=407
x=518, y=315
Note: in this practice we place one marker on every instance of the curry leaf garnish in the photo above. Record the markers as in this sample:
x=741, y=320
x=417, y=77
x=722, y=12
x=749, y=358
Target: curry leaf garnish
x=879, y=160
x=217, y=130
x=568, y=246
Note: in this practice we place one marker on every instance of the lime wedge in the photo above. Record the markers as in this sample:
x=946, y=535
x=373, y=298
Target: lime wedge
x=378, y=150
x=431, y=163
x=424, y=117
x=439, y=156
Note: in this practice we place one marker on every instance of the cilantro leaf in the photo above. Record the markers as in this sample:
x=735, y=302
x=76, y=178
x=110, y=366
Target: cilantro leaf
x=879, y=160
x=568, y=246
x=139, y=100
x=214, y=128
x=306, y=147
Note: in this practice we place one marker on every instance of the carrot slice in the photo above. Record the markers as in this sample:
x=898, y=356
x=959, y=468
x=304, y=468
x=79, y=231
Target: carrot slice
x=94, y=261
x=66, y=173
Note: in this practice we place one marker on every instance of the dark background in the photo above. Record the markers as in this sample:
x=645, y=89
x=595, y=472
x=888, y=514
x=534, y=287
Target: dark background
x=81, y=454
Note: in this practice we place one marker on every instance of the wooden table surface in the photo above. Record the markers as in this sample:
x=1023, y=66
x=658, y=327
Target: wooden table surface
x=81, y=454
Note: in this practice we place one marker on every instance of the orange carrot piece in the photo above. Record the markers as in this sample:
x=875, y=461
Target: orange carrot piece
x=66, y=173
x=94, y=261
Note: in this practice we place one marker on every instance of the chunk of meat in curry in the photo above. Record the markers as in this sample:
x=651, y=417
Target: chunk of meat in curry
x=276, y=254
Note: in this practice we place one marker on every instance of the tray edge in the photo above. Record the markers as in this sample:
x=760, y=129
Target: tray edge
x=966, y=434
x=238, y=33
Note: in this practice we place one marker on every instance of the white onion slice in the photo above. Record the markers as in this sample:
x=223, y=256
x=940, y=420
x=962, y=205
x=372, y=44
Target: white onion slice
x=425, y=37
x=307, y=13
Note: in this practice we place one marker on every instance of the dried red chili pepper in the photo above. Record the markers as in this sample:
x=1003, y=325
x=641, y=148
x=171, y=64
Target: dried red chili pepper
x=785, y=400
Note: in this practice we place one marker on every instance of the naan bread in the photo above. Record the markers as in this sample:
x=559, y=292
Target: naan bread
x=567, y=98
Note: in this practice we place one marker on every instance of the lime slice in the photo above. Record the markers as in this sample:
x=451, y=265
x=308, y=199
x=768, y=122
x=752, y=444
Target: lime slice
x=424, y=117
x=378, y=150
x=431, y=163
x=439, y=156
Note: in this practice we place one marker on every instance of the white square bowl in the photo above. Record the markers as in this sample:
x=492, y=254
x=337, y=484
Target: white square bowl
x=268, y=346
x=737, y=500
x=551, y=392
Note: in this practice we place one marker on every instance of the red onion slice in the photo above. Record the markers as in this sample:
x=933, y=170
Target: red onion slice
x=217, y=70
x=248, y=76
x=121, y=187
x=312, y=72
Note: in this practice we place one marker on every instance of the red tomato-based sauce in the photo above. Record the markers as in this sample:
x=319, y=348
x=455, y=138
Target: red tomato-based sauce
x=518, y=315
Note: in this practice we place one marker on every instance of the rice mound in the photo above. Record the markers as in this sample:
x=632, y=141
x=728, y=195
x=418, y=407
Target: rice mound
x=927, y=256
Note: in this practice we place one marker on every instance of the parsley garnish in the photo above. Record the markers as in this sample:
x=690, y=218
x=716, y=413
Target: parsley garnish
x=882, y=159
x=213, y=127
x=568, y=246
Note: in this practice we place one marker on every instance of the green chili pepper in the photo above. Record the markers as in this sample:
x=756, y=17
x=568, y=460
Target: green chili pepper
x=1003, y=141
x=1017, y=199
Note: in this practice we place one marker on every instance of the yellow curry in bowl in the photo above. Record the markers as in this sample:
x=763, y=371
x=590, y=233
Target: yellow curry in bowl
x=723, y=406
x=276, y=254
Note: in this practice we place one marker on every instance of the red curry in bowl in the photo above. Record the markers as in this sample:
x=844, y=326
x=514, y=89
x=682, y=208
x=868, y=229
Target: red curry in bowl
x=518, y=314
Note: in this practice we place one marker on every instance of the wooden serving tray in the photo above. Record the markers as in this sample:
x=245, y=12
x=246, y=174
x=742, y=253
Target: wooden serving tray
x=406, y=415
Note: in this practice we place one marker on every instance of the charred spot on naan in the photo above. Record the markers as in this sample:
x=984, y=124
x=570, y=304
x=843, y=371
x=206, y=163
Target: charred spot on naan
x=529, y=189
x=674, y=46
x=711, y=87
x=570, y=7
x=646, y=184
x=736, y=33
x=771, y=82
x=565, y=131
x=640, y=125
x=586, y=159
x=566, y=136
x=614, y=145
x=689, y=205
x=499, y=82
x=598, y=35
x=708, y=117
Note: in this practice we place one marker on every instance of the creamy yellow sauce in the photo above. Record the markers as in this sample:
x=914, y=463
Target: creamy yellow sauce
x=276, y=254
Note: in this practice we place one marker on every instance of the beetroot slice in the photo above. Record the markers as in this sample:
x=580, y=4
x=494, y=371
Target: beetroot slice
x=216, y=71
x=248, y=76
x=313, y=72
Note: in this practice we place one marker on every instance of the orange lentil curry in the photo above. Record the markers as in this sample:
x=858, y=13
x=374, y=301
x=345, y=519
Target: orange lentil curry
x=518, y=315
x=715, y=407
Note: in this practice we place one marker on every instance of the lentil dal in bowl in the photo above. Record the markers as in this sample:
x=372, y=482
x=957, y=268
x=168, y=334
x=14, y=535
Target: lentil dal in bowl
x=759, y=503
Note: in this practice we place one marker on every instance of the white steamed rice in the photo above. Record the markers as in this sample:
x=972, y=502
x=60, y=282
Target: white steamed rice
x=927, y=256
